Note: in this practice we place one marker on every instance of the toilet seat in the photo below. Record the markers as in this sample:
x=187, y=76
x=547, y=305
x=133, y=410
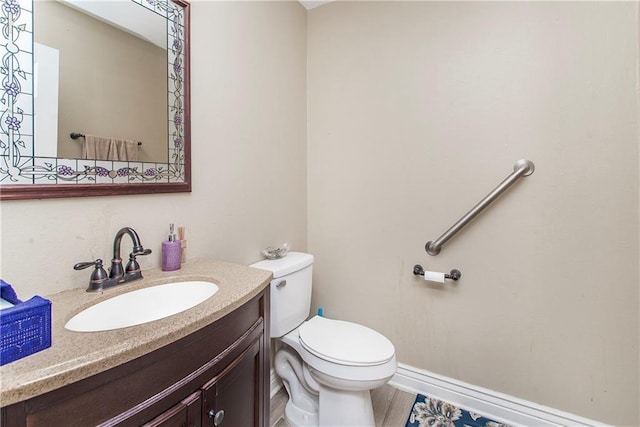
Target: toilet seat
x=345, y=343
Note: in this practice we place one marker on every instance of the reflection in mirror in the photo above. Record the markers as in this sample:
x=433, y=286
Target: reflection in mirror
x=110, y=82
x=95, y=75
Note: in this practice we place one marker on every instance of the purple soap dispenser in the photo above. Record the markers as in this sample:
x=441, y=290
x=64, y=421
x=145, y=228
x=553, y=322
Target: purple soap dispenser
x=171, y=252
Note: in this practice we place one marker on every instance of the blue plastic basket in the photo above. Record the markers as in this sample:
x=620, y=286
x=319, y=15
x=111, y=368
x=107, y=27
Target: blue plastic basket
x=25, y=328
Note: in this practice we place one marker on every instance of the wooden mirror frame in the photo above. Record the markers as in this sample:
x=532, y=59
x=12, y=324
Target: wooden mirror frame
x=21, y=191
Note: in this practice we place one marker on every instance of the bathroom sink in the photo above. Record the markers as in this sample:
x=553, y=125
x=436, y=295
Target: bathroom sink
x=142, y=306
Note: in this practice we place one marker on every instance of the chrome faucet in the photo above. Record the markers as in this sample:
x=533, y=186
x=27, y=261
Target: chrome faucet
x=100, y=280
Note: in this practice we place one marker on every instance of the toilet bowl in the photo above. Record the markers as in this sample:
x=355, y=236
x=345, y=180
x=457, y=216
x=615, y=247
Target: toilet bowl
x=327, y=366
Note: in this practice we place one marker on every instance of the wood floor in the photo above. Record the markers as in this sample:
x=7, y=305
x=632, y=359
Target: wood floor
x=391, y=407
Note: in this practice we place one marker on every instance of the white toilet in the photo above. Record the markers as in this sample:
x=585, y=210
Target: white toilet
x=327, y=366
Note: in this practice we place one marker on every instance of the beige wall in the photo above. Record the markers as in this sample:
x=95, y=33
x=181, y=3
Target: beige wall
x=111, y=82
x=415, y=112
x=249, y=161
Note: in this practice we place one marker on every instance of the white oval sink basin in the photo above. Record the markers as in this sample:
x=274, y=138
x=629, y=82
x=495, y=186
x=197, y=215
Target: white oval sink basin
x=142, y=306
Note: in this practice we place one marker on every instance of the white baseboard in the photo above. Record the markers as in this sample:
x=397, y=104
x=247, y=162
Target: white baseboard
x=497, y=406
x=494, y=405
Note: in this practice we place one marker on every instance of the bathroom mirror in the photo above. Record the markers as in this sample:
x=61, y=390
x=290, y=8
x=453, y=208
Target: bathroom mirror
x=38, y=156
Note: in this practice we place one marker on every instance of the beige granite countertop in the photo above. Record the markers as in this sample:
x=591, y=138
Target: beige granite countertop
x=74, y=356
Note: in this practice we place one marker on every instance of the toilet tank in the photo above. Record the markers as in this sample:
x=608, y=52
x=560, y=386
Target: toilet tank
x=290, y=291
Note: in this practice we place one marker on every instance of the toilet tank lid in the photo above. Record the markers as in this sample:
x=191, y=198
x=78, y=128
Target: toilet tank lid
x=290, y=263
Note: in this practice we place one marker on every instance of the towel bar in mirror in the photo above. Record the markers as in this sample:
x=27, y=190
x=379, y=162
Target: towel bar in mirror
x=33, y=163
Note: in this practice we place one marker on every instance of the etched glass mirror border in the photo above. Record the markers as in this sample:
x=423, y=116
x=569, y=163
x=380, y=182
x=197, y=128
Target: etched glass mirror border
x=26, y=176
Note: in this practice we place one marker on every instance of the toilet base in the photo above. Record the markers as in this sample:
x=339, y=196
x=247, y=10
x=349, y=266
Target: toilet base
x=297, y=417
x=338, y=408
x=345, y=408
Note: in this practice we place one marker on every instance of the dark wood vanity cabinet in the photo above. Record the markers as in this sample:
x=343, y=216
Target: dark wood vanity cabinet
x=218, y=375
x=187, y=413
x=230, y=398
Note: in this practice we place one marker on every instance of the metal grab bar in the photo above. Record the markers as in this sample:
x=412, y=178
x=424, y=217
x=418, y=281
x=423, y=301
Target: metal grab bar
x=520, y=169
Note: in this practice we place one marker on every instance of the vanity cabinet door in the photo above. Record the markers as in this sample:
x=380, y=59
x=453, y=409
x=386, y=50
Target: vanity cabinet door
x=232, y=397
x=187, y=413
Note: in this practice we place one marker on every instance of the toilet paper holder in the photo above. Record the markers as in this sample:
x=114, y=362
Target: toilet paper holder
x=454, y=274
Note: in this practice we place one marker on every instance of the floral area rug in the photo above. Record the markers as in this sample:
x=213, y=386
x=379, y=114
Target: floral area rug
x=431, y=412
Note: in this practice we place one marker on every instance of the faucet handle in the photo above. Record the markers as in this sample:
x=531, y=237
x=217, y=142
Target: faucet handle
x=99, y=274
x=83, y=265
x=132, y=266
x=140, y=251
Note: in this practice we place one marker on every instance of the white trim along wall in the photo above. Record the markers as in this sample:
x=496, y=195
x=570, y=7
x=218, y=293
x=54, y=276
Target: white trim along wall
x=497, y=406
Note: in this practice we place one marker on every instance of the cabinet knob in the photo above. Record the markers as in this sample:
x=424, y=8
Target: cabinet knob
x=217, y=417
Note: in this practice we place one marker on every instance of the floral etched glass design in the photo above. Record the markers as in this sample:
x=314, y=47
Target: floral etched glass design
x=15, y=145
x=18, y=163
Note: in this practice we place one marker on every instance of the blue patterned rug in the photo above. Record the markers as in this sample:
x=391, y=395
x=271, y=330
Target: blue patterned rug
x=431, y=412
